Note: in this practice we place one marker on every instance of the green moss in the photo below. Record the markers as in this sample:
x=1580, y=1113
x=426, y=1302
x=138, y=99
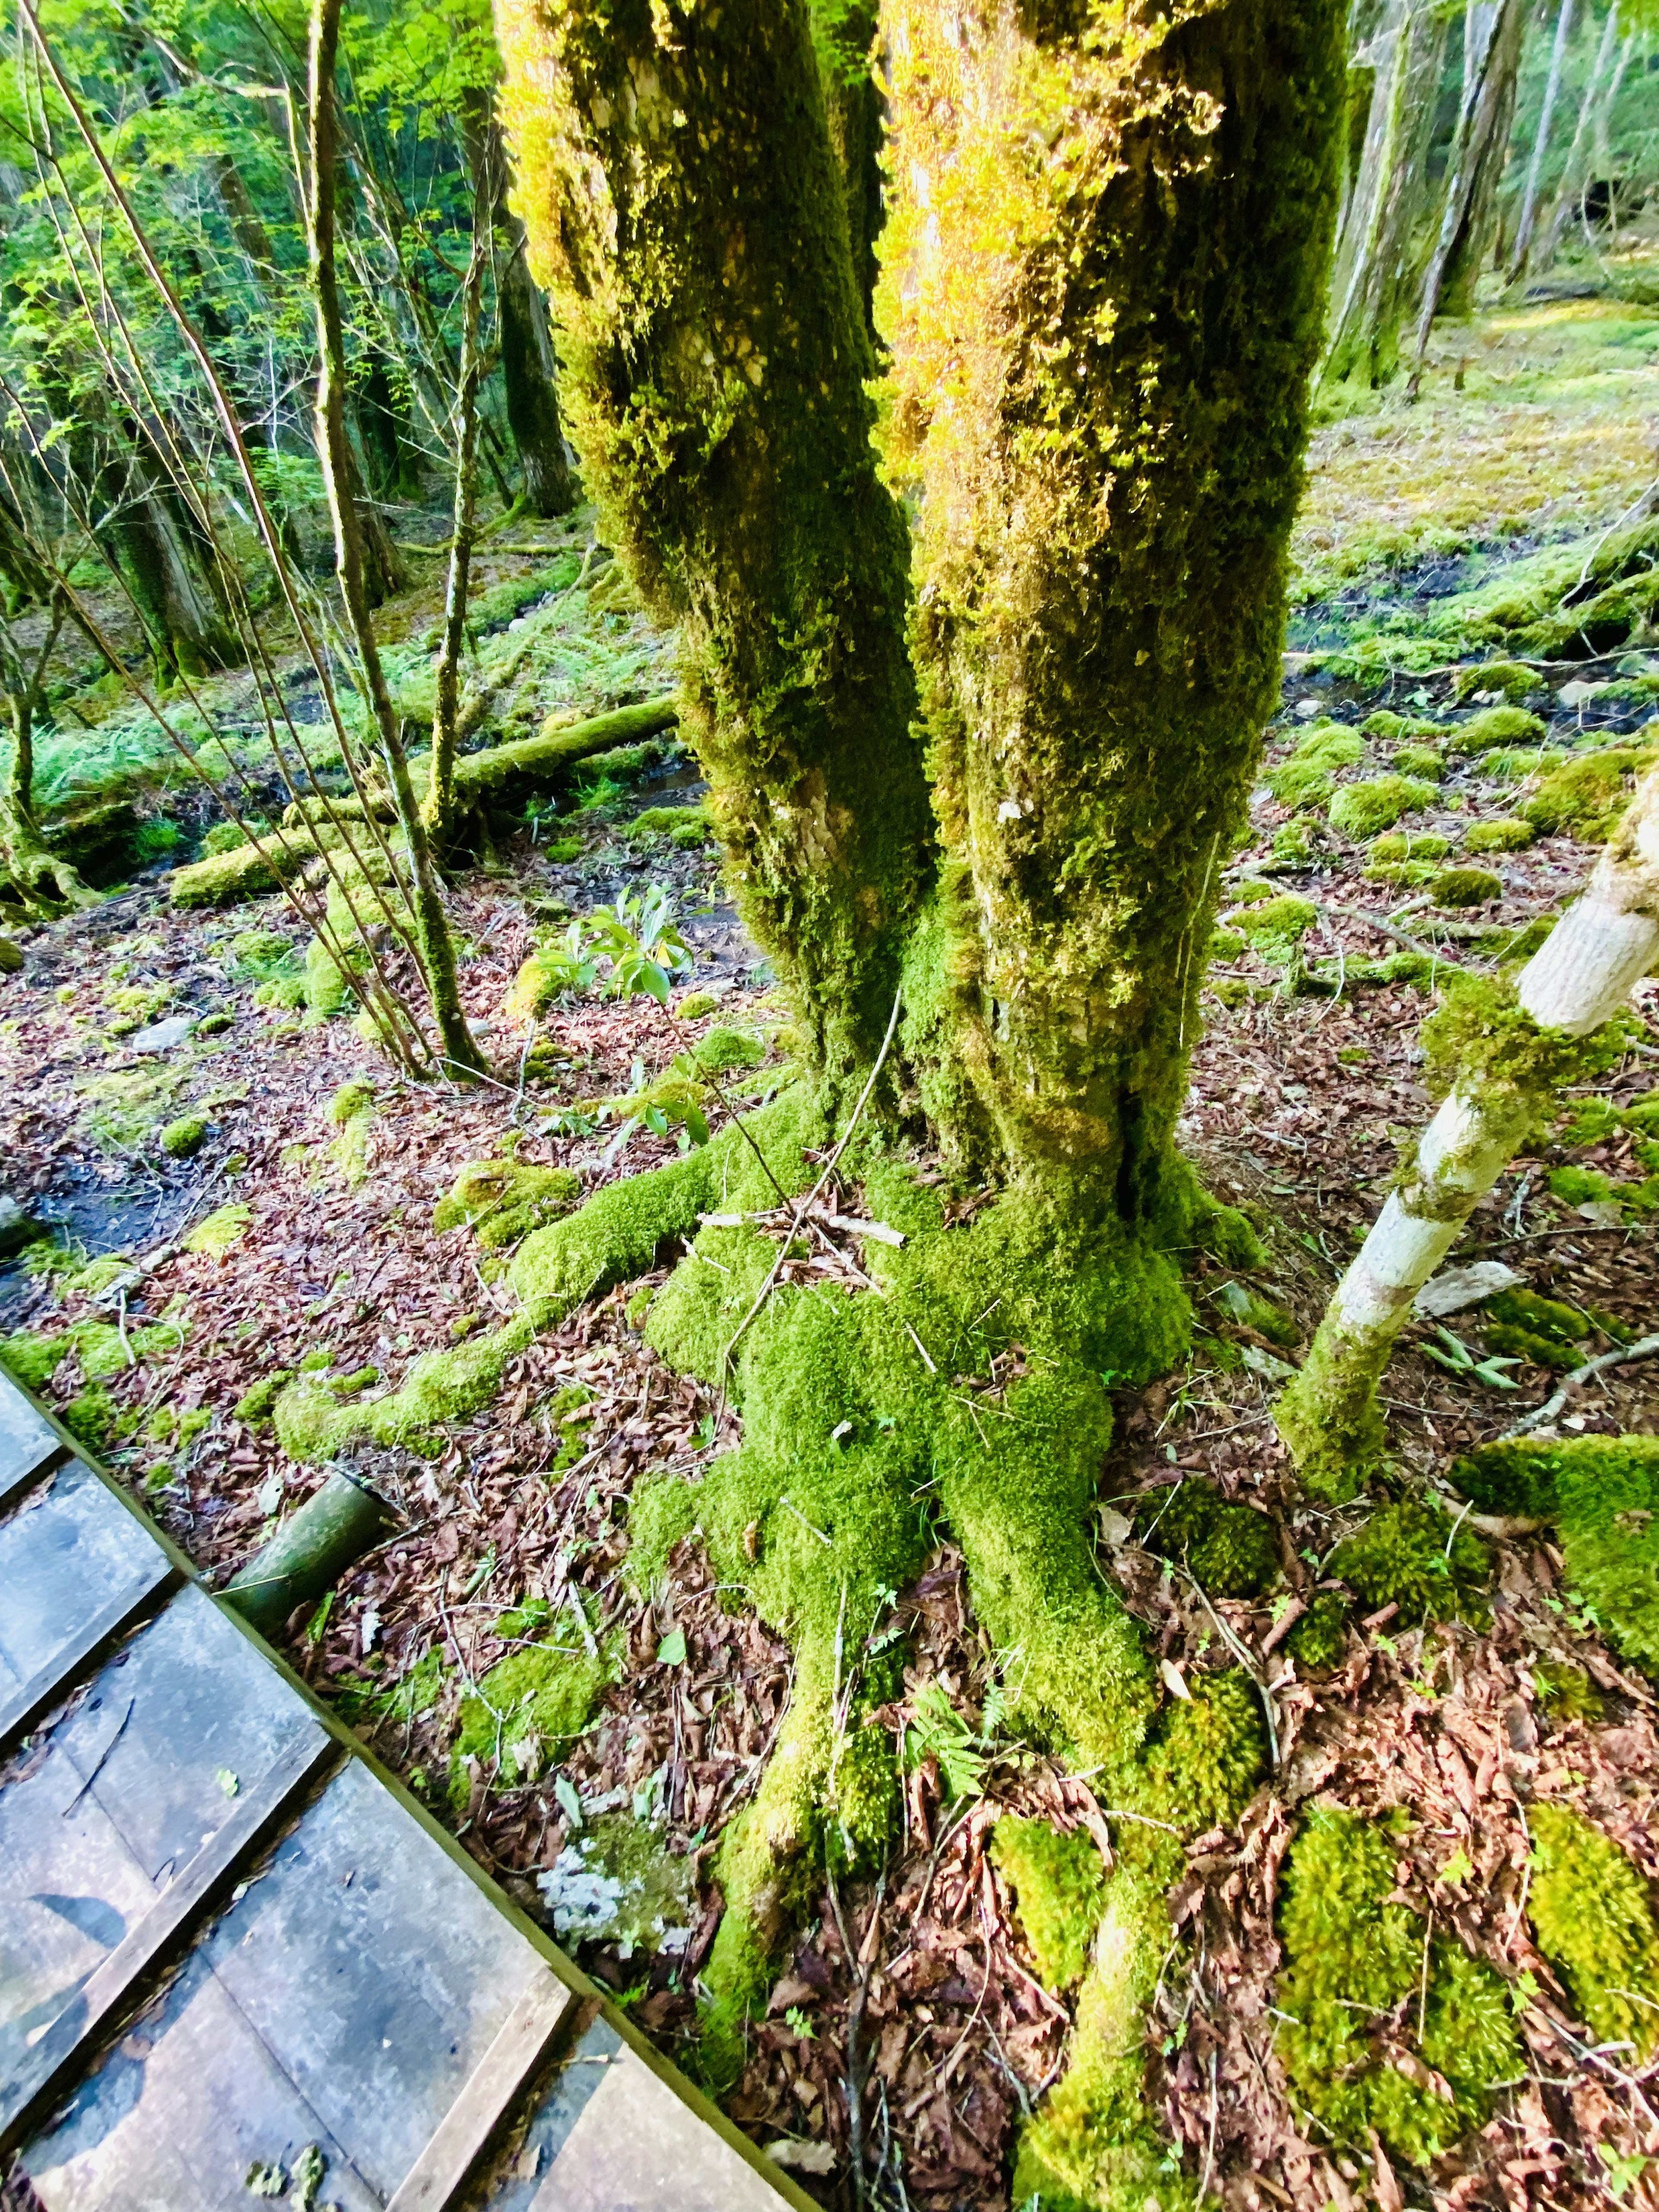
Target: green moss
x=1603, y=1494
x=1407, y=1555
x=1502, y=833
x=1319, y=1639
x=1201, y=1769
x=725, y=1048
x=1593, y=1916
x=1294, y=841
x=861, y=1799
x=183, y=1139
x=32, y=1359
x=255, y=1405
x=1459, y=887
x=1587, y=795
x=526, y=1711
x=1480, y=1033
x=1529, y=1326
x=1497, y=726
x=1420, y=760
x=502, y=1200
x=1259, y=1313
x=243, y=872
x=1579, y=1186
x=1393, y=729
x=92, y=1418
x=1355, y=1962
x=696, y=1005
x=220, y=1230
x=1515, y=681
x=1230, y=1550
x=614, y=1236
x=1276, y=927
x=1227, y=944
x=440, y=1386
x=284, y=993
x=1361, y=810
x=1092, y=2141
x=1059, y=1886
x=1567, y=1691
x=1306, y=779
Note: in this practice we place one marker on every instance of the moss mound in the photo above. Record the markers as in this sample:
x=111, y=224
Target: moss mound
x=1362, y=810
x=1458, y=887
x=183, y=1139
x=1498, y=726
x=1407, y=1555
x=1232, y=1550
x=1502, y=833
x=1319, y=1639
x=502, y=1200
x=1355, y=1970
x=1060, y=1887
x=1602, y=1493
x=1593, y=1918
x=524, y=1711
x=1306, y=778
x=1588, y=795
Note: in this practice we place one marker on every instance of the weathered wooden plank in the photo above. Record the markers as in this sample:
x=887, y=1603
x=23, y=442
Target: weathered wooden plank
x=26, y=1703
x=28, y=1441
x=59, y=2053
x=439, y=2175
x=65, y=1549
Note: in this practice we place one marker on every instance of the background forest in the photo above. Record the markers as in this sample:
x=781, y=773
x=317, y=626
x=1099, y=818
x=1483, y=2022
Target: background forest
x=719, y=922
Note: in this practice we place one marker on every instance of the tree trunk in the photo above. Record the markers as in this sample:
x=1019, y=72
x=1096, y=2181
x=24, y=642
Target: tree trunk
x=1524, y=227
x=394, y=470
x=460, y=1052
x=1376, y=259
x=1478, y=152
x=844, y=36
x=1581, y=977
x=438, y=808
x=734, y=472
x=1569, y=190
x=1106, y=507
x=183, y=623
x=530, y=373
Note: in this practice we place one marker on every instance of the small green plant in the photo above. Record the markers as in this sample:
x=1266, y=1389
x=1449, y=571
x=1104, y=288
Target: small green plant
x=1457, y=1357
x=939, y=1731
x=640, y=938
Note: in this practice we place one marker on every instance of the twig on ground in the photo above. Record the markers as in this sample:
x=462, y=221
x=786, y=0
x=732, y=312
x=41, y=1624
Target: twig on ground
x=1622, y=1356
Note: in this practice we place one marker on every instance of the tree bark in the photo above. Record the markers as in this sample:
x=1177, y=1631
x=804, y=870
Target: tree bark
x=1600, y=96
x=184, y=626
x=1580, y=978
x=844, y=37
x=460, y=1052
x=1376, y=254
x=1522, y=248
x=1106, y=505
x=1478, y=152
x=715, y=357
x=529, y=373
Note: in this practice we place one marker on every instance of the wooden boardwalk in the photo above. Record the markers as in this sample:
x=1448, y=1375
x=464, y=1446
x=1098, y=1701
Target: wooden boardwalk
x=238, y=1961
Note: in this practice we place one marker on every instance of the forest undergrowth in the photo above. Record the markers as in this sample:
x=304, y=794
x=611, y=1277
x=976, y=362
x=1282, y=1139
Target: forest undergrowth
x=246, y=1199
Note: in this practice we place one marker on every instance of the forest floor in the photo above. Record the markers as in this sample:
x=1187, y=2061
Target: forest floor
x=1536, y=424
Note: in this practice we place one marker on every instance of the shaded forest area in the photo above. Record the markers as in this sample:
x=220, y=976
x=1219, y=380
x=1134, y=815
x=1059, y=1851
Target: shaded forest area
x=762, y=770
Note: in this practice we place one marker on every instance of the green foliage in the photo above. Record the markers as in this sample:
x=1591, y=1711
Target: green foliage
x=1209, y=1753
x=1511, y=677
x=1319, y=1639
x=1420, y=760
x=640, y=938
x=1498, y=833
x=1593, y=1918
x=1355, y=1963
x=1407, y=1555
x=1480, y=1032
x=1059, y=1886
x=1361, y=810
x=1531, y=1327
x=526, y=1709
x=1587, y=795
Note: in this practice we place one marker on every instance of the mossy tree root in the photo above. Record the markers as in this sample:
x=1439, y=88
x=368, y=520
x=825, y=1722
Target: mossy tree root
x=1511, y=1053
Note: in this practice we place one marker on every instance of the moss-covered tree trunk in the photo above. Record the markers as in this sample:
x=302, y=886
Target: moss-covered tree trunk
x=1105, y=407
x=686, y=216
x=1474, y=167
x=1378, y=255
x=845, y=31
x=529, y=373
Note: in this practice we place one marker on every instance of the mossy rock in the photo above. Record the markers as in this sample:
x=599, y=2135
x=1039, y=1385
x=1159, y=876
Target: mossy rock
x=502, y=1200
x=1515, y=681
x=1392, y=729
x=1418, y=760
x=183, y=1139
x=1059, y=1886
x=1276, y=926
x=243, y=872
x=723, y=1050
x=1461, y=887
x=1351, y=1957
x=1305, y=780
x=1407, y=1555
x=1592, y=1914
x=1547, y=1331
x=1497, y=726
x=1502, y=833
x=1588, y=795
x=1362, y=810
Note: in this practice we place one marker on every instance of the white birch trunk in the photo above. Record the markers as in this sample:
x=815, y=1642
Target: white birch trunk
x=1572, y=175
x=1540, y=145
x=1582, y=976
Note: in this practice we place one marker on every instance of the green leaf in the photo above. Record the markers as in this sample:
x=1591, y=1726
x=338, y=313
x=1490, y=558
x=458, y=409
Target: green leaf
x=671, y=1652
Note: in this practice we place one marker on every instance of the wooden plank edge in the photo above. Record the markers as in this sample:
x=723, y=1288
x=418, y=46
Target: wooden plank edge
x=487, y=2100
x=42, y=1689
x=41, y=2074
